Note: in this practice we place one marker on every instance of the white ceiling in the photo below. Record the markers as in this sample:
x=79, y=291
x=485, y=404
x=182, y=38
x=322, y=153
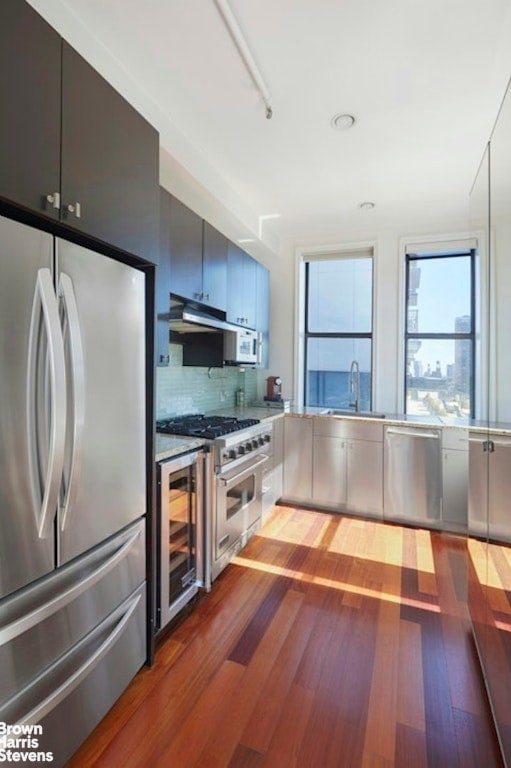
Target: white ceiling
x=424, y=79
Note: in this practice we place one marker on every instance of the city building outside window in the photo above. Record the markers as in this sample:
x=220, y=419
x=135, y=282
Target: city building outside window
x=440, y=334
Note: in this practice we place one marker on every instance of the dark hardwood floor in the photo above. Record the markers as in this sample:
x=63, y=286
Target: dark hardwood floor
x=329, y=641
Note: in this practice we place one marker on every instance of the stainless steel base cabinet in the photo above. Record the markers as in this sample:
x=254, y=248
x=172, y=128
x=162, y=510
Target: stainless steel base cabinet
x=490, y=486
x=455, y=478
x=297, y=483
x=348, y=466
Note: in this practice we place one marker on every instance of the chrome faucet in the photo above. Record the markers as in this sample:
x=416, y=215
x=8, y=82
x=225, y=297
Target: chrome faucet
x=354, y=385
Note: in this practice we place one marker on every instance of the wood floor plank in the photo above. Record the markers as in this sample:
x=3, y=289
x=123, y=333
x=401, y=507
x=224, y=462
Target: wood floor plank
x=258, y=624
x=427, y=582
x=476, y=744
x=411, y=747
x=380, y=734
x=437, y=700
x=445, y=547
x=223, y=742
x=289, y=730
x=273, y=698
x=330, y=642
x=464, y=680
x=410, y=690
x=203, y=719
x=336, y=727
x=244, y=757
x=499, y=558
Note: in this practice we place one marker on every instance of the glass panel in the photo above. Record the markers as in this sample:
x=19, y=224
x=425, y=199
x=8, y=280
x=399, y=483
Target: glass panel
x=477, y=480
x=340, y=296
x=181, y=530
x=329, y=363
x=497, y=652
x=239, y=496
x=439, y=295
x=439, y=377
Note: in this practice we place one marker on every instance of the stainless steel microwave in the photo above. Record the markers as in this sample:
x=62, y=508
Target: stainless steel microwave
x=242, y=346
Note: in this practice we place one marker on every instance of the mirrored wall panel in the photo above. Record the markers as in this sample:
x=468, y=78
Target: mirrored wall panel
x=489, y=508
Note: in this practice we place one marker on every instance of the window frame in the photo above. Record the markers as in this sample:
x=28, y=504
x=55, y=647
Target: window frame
x=363, y=253
x=471, y=336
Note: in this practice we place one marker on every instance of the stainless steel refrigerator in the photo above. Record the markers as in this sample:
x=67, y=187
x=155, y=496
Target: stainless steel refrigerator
x=72, y=486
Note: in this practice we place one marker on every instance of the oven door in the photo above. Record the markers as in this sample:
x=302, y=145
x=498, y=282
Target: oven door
x=181, y=531
x=238, y=505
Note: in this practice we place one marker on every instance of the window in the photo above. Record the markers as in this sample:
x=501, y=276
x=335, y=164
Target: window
x=439, y=336
x=338, y=331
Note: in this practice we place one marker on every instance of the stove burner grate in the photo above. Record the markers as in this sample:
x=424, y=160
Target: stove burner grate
x=199, y=425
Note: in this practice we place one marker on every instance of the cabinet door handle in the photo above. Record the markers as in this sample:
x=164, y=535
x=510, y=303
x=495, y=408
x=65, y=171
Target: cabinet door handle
x=75, y=209
x=54, y=200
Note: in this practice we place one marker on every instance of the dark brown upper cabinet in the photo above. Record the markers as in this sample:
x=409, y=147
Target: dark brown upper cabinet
x=198, y=258
x=263, y=312
x=214, y=268
x=71, y=148
x=30, y=69
x=242, y=294
x=163, y=280
x=110, y=187
x=185, y=249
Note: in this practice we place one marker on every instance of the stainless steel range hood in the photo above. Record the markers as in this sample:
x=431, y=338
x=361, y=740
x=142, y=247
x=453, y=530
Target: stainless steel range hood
x=183, y=318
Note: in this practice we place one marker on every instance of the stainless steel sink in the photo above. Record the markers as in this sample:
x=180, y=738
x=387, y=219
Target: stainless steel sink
x=360, y=414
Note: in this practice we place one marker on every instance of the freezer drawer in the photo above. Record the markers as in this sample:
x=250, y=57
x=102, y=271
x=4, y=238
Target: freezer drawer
x=71, y=696
x=412, y=478
x=38, y=625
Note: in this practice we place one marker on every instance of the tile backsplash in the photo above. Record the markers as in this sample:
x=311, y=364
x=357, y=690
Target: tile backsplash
x=189, y=389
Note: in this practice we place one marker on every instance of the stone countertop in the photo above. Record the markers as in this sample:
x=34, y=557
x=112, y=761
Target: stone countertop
x=411, y=420
x=168, y=446
x=393, y=419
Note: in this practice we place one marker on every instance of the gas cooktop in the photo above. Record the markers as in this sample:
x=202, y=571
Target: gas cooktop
x=199, y=425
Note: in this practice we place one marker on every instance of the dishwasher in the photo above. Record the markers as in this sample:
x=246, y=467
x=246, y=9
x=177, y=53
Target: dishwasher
x=412, y=474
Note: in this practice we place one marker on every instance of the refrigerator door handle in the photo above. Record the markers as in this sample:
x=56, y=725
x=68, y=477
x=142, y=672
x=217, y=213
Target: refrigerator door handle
x=36, y=714
x=20, y=625
x=45, y=303
x=77, y=374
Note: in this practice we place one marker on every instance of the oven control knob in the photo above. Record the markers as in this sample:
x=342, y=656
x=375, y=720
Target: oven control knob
x=260, y=441
x=232, y=454
x=254, y=443
x=241, y=450
x=267, y=438
x=249, y=446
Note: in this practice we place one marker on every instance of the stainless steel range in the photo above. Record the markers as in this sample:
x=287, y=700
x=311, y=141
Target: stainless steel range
x=239, y=451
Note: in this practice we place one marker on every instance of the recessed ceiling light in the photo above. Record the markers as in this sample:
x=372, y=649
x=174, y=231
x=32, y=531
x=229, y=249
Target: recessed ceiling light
x=367, y=206
x=342, y=121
